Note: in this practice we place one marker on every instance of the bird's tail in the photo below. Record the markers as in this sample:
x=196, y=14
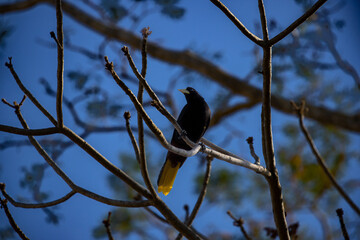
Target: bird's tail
x=167, y=177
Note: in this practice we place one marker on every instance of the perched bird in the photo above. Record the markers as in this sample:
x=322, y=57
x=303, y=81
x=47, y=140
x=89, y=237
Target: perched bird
x=194, y=119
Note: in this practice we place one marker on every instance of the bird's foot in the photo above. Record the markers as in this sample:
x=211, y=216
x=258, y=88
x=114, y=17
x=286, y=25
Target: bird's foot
x=182, y=134
x=203, y=147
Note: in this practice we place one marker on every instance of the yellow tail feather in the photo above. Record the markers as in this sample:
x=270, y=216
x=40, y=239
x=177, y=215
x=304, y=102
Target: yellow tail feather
x=167, y=178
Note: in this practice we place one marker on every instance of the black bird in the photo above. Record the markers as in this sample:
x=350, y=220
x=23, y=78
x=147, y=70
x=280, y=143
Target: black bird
x=194, y=119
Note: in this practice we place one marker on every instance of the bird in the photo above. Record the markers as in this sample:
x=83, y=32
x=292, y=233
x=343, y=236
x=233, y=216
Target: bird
x=194, y=120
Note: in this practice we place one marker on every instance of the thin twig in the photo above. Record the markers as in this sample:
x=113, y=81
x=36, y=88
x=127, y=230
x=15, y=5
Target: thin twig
x=60, y=61
x=237, y=23
x=107, y=224
x=340, y=213
x=32, y=132
x=202, y=192
x=189, y=220
x=142, y=156
x=35, y=205
x=12, y=221
x=250, y=141
x=263, y=21
x=296, y=23
x=53, y=36
x=239, y=222
x=28, y=93
x=127, y=117
x=300, y=111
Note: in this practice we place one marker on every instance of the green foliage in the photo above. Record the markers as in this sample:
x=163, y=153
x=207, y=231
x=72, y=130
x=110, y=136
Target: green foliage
x=302, y=165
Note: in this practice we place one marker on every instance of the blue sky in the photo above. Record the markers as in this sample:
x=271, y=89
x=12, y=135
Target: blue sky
x=203, y=28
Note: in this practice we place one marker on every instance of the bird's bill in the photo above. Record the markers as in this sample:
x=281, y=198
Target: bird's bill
x=184, y=91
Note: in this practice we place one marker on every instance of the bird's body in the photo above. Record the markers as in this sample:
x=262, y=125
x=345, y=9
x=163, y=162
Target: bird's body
x=194, y=119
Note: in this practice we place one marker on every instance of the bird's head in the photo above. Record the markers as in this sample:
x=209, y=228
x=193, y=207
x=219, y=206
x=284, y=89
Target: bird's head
x=191, y=94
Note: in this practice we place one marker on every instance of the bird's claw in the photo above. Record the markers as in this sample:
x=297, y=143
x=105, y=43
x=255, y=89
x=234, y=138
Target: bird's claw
x=203, y=147
x=182, y=134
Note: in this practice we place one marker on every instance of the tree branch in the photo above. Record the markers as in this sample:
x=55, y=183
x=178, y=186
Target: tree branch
x=267, y=138
x=28, y=93
x=107, y=224
x=60, y=60
x=296, y=23
x=189, y=220
x=250, y=141
x=239, y=222
x=142, y=156
x=300, y=111
x=12, y=221
x=340, y=213
x=29, y=132
x=18, y=6
x=35, y=205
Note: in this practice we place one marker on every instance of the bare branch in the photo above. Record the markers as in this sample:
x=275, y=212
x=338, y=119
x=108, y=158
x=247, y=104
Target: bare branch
x=19, y=5
x=300, y=111
x=237, y=23
x=12, y=221
x=35, y=205
x=189, y=219
x=267, y=138
x=127, y=116
x=340, y=214
x=296, y=23
x=250, y=140
x=142, y=156
x=28, y=93
x=107, y=224
x=239, y=222
x=60, y=60
x=342, y=63
x=263, y=21
x=29, y=132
